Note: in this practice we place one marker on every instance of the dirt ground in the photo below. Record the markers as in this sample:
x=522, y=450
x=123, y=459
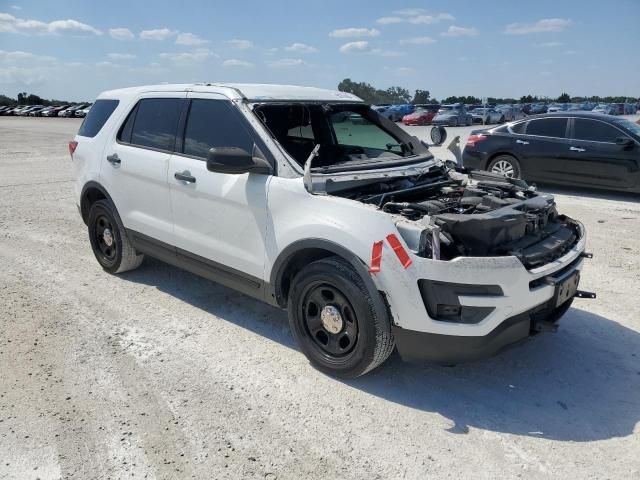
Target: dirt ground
x=160, y=374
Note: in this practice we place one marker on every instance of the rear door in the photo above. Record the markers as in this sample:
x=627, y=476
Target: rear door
x=220, y=220
x=543, y=147
x=136, y=161
x=595, y=158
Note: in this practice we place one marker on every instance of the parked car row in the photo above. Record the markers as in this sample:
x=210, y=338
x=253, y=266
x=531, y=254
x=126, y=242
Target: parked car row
x=73, y=111
x=466, y=114
x=605, y=108
x=456, y=114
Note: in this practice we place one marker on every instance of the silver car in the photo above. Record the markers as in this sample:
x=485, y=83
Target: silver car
x=487, y=115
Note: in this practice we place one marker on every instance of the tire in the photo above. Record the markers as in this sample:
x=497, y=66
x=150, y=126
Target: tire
x=501, y=120
x=469, y=121
x=453, y=122
x=507, y=165
x=354, y=337
x=109, y=240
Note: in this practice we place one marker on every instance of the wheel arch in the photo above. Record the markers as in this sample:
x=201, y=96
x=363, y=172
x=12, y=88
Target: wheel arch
x=91, y=193
x=302, y=252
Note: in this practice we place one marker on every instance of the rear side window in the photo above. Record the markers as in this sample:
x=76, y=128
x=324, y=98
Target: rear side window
x=97, y=117
x=548, y=127
x=214, y=123
x=593, y=131
x=153, y=123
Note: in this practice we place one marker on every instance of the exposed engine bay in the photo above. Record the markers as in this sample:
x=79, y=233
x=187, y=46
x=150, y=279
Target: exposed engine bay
x=445, y=214
x=442, y=211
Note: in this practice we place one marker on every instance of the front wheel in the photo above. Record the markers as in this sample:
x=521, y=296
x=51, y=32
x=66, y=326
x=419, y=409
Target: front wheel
x=335, y=320
x=506, y=165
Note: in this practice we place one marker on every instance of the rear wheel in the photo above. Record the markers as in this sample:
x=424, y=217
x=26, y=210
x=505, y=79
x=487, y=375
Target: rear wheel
x=109, y=240
x=454, y=122
x=335, y=321
x=506, y=165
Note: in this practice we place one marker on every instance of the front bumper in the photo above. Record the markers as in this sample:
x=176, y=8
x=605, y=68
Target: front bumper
x=443, y=121
x=452, y=349
x=517, y=291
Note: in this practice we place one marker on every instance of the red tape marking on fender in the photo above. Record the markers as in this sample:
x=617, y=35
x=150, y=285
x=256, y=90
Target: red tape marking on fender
x=402, y=254
x=376, y=257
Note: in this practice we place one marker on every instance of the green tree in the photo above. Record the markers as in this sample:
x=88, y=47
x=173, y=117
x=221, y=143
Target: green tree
x=564, y=98
x=420, y=96
x=5, y=101
x=398, y=95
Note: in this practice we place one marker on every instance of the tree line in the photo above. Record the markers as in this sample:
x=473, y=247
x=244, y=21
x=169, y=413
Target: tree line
x=25, y=98
x=375, y=96
x=398, y=95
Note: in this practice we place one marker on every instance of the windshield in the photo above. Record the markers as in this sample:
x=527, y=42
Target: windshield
x=345, y=133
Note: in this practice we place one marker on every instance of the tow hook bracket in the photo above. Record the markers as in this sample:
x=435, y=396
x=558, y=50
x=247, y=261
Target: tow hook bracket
x=583, y=294
x=586, y=255
x=543, y=326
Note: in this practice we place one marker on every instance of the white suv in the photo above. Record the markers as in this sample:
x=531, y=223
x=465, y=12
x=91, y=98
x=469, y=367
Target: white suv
x=310, y=200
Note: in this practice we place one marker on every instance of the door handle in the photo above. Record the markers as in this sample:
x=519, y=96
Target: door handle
x=114, y=159
x=184, y=177
x=577, y=149
x=522, y=142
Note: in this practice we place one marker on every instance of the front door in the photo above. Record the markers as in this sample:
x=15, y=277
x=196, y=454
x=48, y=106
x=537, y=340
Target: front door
x=220, y=220
x=596, y=159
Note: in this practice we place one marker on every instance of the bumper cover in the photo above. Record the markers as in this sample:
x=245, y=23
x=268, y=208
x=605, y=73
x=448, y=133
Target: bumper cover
x=451, y=349
x=416, y=346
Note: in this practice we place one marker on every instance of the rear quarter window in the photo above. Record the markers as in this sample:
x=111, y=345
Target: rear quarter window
x=97, y=117
x=518, y=127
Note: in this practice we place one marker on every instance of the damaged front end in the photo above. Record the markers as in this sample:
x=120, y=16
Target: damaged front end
x=444, y=213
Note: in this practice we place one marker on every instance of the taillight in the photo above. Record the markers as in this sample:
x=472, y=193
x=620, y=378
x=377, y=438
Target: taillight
x=72, y=147
x=473, y=139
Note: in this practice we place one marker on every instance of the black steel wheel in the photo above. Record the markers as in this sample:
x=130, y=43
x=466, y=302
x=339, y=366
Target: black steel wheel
x=338, y=323
x=329, y=319
x=105, y=239
x=109, y=240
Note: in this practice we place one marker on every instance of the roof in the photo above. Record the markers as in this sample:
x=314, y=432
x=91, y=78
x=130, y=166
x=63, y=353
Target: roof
x=575, y=114
x=249, y=91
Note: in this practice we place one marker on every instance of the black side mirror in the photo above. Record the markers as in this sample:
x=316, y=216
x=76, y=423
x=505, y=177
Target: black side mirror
x=625, y=142
x=236, y=160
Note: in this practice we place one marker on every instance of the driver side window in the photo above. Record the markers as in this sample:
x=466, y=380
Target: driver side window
x=213, y=123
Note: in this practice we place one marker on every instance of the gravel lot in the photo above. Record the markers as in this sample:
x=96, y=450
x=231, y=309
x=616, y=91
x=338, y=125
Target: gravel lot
x=160, y=374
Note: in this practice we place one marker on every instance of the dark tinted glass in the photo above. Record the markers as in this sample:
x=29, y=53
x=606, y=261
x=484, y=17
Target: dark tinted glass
x=548, y=127
x=518, y=127
x=213, y=123
x=593, y=131
x=124, y=135
x=156, y=122
x=97, y=117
